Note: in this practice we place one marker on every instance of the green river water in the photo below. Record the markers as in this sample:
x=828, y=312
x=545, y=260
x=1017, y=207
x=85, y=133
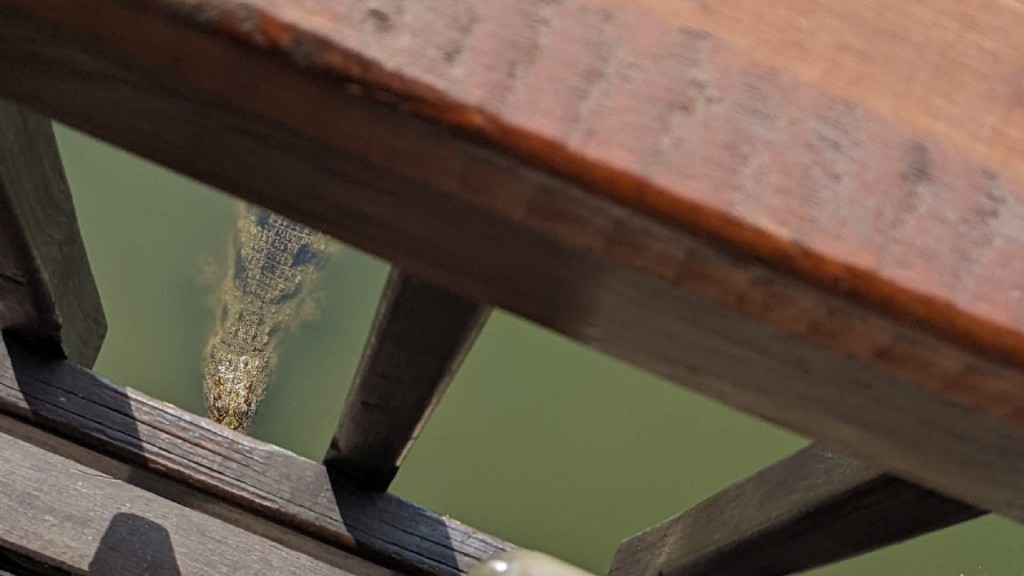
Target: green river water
x=539, y=440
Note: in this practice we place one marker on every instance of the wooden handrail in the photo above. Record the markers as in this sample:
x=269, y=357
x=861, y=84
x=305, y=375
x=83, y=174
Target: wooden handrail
x=627, y=202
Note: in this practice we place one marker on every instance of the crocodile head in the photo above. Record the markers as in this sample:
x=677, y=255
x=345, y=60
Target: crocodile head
x=234, y=385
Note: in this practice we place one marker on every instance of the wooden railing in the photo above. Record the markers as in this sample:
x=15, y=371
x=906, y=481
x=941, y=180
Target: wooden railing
x=677, y=185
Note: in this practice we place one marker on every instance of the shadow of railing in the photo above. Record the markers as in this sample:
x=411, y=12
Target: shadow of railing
x=133, y=544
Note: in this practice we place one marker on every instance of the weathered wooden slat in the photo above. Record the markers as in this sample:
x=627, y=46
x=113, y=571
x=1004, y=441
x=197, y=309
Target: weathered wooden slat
x=47, y=292
x=252, y=476
x=185, y=495
x=418, y=340
x=761, y=231
x=68, y=515
x=811, y=509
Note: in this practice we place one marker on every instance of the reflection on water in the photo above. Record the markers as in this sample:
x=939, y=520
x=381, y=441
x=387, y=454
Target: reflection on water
x=538, y=440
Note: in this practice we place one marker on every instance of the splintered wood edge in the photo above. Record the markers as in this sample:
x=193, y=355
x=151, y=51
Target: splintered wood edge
x=806, y=511
x=419, y=338
x=46, y=283
x=681, y=289
x=259, y=478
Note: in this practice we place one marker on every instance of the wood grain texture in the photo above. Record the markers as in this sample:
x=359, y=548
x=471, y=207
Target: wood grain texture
x=47, y=292
x=419, y=337
x=244, y=480
x=806, y=511
x=68, y=515
x=820, y=261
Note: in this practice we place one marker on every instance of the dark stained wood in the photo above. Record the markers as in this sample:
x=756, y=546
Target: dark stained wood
x=811, y=509
x=46, y=285
x=12, y=564
x=89, y=522
x=835, y=252
x=243, y=480
x=419, y=337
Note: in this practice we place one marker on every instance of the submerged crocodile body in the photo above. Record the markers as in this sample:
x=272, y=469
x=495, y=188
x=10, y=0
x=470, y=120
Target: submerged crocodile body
x=273, y=263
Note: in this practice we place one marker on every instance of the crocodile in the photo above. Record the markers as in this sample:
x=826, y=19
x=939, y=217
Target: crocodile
x=273, y=263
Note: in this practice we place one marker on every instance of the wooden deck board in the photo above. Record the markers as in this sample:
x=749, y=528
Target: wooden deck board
x=419, y=337
x=806, y=511
x=808, y=214
x=70, y=516
x=237, y=472
x=46, y=286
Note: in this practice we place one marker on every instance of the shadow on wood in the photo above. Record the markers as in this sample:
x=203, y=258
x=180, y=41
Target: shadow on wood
x=12, y=564
x=133, y=544
x=76, y=525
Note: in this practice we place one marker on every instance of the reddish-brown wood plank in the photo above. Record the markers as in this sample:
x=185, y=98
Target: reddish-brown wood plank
x=668, y=183
x=208, y=467
x=47, y=292
x=419, y=338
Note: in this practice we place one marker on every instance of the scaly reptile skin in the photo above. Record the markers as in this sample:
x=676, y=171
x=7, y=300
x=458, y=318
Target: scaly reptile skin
x=274, y=261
